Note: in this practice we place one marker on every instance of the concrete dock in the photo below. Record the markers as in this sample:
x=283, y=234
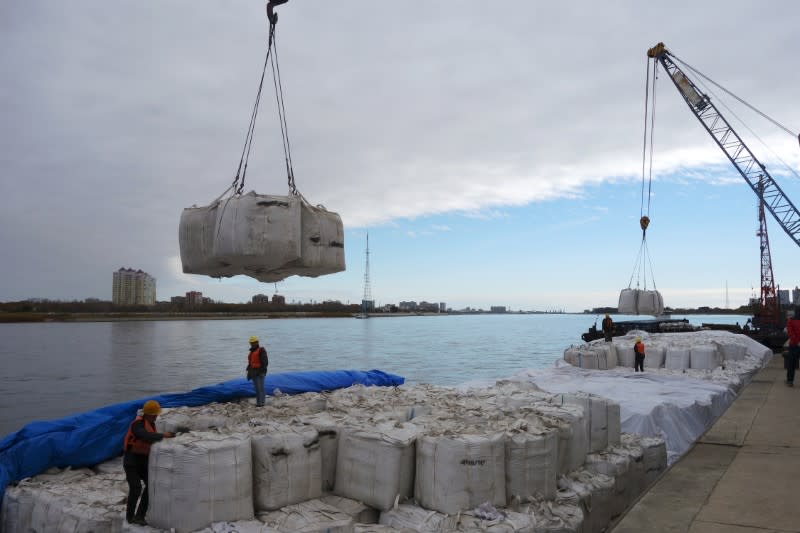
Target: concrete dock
x=741, y=476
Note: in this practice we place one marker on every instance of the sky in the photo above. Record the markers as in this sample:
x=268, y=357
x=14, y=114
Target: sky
x=493, y=151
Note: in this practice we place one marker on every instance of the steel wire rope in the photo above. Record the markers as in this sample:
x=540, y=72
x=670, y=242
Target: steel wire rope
x=287, y=150
x=643, y=257
x=248, y=143
x=722, y=102
x=741, y=100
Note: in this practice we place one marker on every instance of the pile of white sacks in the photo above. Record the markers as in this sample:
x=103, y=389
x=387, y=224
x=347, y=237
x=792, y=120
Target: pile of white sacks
x=702, y=350
x=265, y=237
x=508, y=458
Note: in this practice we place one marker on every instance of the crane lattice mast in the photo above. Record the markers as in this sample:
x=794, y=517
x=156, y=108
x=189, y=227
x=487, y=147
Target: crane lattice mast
x=366, y=301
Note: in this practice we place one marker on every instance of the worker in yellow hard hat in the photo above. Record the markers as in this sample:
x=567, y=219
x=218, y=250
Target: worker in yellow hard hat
x=136, y=448
x=257, y=363
x=638, y=350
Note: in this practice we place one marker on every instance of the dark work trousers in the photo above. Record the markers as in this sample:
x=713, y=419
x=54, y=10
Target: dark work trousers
x=791, y=362
x=607, y=334
x=639, y=363
x=136, y=475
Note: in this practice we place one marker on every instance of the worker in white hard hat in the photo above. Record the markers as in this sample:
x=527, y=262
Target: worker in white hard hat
x=257, y=363
x=136, y=448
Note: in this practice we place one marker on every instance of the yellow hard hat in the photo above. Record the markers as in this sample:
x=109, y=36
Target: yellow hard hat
x=638, y=339
x=151, y=407
x=253, y=339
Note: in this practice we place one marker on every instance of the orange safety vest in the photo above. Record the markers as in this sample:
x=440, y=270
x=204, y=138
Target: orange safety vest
x=134, y=445
x=254, y=359
x=638, y=348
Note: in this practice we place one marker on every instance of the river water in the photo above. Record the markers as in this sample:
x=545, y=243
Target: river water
x=51, y=370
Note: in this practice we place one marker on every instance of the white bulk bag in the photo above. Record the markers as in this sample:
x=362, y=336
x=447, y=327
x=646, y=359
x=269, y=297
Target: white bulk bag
x=322, y=245
x=626, y=357
x=704, y=357
x=266, y=237
x=553, y=517
x=677, y=358
x=596, y=494
x=640, y=302
x=310, y=516
x=618, y=467
x=198, y=479
x=17, y=508
x=376, y=466
x=733, y=352
x=358, y=511
x=653, y=356
x=196, y=237
x=287, y=466
x=459, y=472
x=405, y=517
x=606, y=355
x=328, y=431
x=654, y=457
x=602, y=419
x=573, y=433
x=259, y=234
x=531, y=464
x=583, y=357
x=505, y=522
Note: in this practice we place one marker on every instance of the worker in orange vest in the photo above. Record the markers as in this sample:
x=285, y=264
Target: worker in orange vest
x=136, y=448
x=257, y=362
x=608, y=328
x=638, y=350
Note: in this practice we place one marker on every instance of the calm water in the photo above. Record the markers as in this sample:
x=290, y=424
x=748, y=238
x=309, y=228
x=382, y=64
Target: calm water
x=56, y=369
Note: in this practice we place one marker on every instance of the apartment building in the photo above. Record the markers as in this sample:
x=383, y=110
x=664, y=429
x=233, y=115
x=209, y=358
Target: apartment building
x=133, y=287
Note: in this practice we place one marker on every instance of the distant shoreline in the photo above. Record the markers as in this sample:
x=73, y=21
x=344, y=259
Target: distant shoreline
x=23, y=317
x=144, y=316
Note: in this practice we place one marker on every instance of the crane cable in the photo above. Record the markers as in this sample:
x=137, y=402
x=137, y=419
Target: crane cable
x=643, y=256
x=740, y=100
x=271, y=58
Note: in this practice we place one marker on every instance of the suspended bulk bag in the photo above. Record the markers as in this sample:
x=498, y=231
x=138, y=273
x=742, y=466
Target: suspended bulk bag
x=640, y=302
x=259, y=234
x=322, y=244
x=196, y=235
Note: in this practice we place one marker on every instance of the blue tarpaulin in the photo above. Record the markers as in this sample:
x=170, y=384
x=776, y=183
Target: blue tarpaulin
x=90, y=438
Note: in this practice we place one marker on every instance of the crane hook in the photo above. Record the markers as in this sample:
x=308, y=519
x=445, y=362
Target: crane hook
x=643, y=223
x=271, y=15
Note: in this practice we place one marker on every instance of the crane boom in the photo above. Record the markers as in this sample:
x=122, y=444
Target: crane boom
x=750, y=168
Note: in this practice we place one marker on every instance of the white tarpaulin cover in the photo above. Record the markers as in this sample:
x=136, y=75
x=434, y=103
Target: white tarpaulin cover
x=265, y=237
x=640, y=302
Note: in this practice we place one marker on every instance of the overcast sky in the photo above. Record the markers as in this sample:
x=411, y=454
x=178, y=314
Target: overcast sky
x=492, y=150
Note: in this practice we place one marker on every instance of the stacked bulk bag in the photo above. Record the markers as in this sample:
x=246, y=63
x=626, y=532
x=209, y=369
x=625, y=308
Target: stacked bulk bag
x=602, y=419
x=406, y=517
x=287, y=467
x=654, y=356
x=626, y=356
x=265, y=237
x=531, y=464
x=704, y=357
x=313, y=515
x=376, y=466
x=733, y=352
x=459, y=472
x=677, y=358
x=198, y=479
x=640, y=302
